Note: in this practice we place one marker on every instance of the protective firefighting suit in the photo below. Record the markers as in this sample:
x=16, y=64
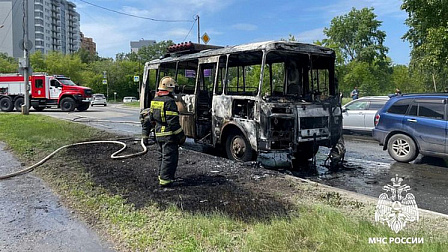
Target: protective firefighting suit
x=169, y=134
x=147, y=125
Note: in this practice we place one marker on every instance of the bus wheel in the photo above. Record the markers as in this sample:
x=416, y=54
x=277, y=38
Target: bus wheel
x=68, y=104
x=18, y=104
x=238, y=148
x=6, y=104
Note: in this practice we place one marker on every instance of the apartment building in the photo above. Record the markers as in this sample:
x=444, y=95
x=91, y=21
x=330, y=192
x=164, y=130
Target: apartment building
x=53, y=25
x=88, y=44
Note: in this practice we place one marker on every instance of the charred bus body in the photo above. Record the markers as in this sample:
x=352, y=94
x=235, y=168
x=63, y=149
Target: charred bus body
x=276, y=100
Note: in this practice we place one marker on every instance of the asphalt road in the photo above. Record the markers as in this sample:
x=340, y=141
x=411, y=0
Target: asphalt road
x=32, y=218
x=367, y=169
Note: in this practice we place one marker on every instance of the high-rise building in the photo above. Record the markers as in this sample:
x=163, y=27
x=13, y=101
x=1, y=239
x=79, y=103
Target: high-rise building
x=136, y=45
x=53, y=25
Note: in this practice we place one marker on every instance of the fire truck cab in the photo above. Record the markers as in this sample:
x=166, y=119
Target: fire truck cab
x=45, y=91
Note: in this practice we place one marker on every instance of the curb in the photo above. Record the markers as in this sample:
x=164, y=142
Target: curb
x=360, y=195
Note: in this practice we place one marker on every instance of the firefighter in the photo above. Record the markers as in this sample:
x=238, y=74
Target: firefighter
x=164, y=116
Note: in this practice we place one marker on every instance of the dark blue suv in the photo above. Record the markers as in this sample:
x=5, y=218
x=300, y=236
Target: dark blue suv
x=411, y=124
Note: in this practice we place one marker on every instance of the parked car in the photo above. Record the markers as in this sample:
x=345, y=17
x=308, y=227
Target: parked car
x=359, y=114
x=411, y=124
x=129, y=99
x=98, y=99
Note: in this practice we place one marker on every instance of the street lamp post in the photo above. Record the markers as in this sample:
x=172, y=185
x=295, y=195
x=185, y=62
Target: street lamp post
x=26, y=72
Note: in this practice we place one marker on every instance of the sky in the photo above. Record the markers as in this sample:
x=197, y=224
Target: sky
x=229, y=22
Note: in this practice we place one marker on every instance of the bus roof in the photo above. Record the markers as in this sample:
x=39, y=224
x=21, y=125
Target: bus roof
x=293, y=47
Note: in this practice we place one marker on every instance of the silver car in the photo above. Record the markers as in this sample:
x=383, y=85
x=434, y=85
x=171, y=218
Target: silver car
x=98, y=99
x=129, y=99
x=359, y=115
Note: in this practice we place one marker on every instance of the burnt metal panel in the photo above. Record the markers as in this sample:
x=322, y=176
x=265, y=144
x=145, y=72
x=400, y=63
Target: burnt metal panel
x=264, y=46
x=186, y=107
x=212, y=59
x=223, y=114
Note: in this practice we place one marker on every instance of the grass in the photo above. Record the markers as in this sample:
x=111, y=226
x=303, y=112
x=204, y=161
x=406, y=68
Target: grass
x=132, y=104
x=345, y=100
x=322, y=221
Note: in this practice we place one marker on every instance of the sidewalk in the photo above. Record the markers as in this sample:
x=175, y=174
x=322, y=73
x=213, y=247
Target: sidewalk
x=32, y=218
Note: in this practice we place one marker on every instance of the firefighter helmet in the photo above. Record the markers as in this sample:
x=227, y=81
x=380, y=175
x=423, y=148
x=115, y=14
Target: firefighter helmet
x=167, y=83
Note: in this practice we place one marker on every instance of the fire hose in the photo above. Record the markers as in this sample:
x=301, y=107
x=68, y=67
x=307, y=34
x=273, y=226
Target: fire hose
x=113, y=155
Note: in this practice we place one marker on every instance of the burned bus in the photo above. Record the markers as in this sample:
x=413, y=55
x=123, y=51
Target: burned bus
x=276, y=101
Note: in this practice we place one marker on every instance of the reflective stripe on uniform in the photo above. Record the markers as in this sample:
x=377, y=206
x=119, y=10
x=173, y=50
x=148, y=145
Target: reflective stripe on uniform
x=172, y=113
x=164, y=182
x=178, y=131
x=159, y=105
x=168, y=133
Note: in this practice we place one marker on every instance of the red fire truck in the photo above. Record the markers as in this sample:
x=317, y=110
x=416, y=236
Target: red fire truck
x=45, y=91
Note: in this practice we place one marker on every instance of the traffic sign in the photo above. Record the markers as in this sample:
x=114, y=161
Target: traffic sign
x=136, y=78
x=104, y=82
x=205, y=38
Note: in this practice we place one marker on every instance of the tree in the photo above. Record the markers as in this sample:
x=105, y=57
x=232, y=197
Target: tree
x=8, y=64
x=361, y=58
x=371, y=79
x=330, y=44
x=424, y=15
x=69, y=65
x=37, y=61
x=428, y=35
x=358, y=37
x=86, y=56
x=402, y=80
x=147, y=53
x=95, y=79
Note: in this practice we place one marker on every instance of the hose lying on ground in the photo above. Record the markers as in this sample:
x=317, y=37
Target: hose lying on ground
x=113, y=156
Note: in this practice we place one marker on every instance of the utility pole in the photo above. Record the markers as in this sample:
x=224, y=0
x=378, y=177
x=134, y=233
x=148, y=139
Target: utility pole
x=107, y=84
x=199, y=30
x=26, y=73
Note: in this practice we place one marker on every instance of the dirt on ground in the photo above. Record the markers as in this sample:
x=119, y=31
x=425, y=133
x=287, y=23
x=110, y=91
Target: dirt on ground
x=204, y=183
x=209, y=183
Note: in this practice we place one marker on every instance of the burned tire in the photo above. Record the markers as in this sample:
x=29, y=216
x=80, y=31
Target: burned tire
x=402, y=148
x=6, y=104
x=83, y=106
x=306, y=151
x=238, y=148
x=18, y=104
x=301, y=157
x=68, y=104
